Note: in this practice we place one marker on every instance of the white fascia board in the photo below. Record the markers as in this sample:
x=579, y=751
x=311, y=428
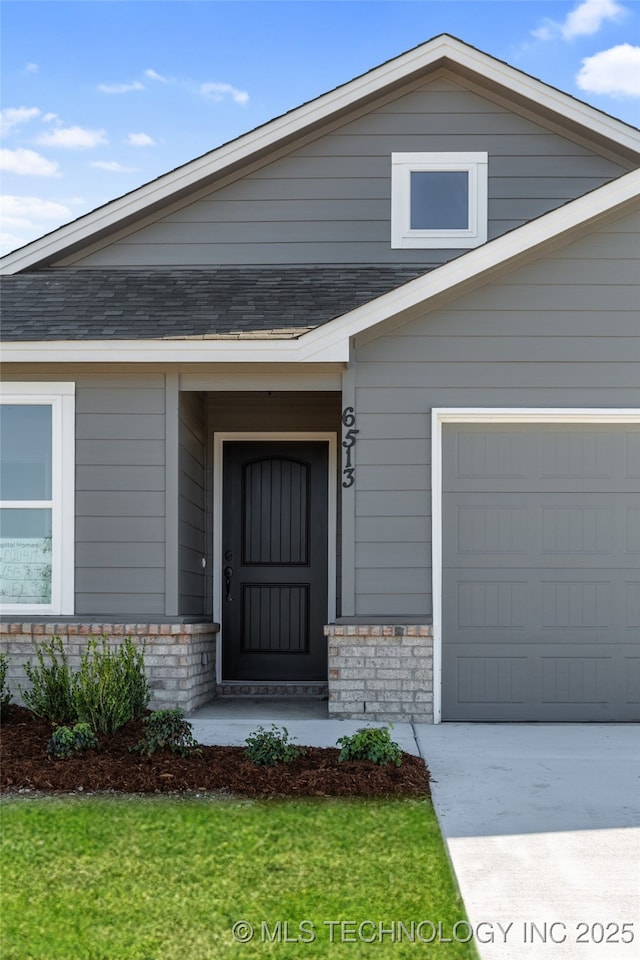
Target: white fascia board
x=498, y=253
x=34, y=391
x=296, y=121
x=150, y=351
x=170, y=351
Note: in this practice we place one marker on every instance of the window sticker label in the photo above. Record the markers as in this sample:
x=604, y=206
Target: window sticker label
x=25, y=570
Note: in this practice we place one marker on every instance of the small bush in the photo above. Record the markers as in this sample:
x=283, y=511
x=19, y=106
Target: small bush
x=267, y=747
x=111, y=687
x=5, y=695
x=67, y=741
x=167, y=730
x=371, y=743
x=51, y=694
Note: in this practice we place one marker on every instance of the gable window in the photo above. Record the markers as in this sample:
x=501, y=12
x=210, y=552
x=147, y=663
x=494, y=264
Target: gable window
x=37, y=467
x=438, y=199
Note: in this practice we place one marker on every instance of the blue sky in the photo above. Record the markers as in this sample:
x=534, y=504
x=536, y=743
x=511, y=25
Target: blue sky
x=100, y=96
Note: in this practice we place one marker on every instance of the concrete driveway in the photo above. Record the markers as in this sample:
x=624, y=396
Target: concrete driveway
x=542, y=822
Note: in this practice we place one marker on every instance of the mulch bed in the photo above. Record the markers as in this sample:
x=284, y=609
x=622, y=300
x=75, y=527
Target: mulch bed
x=25, y=766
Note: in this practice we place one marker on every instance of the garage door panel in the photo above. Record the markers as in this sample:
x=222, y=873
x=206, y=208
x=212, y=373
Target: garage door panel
x=632, y=532
x=631, y=681
x=572, y=679
x=632, y=454
x=485, y=686
x=508, y=458
x=491, y=679
x=570, y=605
x=632, y=605
x=498, y=604
x=509, y=486
x=541, y=553
x=508, y=605
x=538, y=529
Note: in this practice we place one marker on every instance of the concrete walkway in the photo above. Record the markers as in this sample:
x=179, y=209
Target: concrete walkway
x=542, y=822
x=229, y=723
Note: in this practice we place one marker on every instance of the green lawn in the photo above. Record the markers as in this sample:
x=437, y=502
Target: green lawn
x=167, y=879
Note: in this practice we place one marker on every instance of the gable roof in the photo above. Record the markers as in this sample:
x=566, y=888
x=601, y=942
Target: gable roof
x=566, y=112
x=329, y=342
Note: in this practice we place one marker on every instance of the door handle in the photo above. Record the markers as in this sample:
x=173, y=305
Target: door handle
x=228, y=573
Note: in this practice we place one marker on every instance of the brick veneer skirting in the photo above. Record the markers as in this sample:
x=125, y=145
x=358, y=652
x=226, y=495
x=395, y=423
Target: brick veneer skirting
x=180, y=658
x=381, y=672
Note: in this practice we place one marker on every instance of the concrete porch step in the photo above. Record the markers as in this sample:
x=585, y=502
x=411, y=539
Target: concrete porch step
x=261, y=709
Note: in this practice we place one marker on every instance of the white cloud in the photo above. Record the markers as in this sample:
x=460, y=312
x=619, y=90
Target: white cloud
x=120, y=87
x=31, y=68
x=156, y=76
x=28, y=162
x=545, y=32
x=9, y=242
x=140, y=140
x=11, y=117
x=27, y=218
x=112, y=166
x=584, y=20
x=20, y=212
x=212, y=91
x=73, y=138
x=218, y=92
x=50, y=117
x=615, y=72
x=589, y=16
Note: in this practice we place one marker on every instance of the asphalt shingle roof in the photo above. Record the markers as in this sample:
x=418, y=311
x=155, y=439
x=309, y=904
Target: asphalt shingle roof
x=212, y=303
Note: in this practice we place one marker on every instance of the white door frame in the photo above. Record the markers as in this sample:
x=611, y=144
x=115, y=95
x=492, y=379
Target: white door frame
x=442, y=415
x=219, y=439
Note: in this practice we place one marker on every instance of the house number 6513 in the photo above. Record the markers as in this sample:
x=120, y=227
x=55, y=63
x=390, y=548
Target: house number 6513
x=349, y=421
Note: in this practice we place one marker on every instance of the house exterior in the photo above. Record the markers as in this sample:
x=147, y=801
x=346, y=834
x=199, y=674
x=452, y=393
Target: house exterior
x=348, y=407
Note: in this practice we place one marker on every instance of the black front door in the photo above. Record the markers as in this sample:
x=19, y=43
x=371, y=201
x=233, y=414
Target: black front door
x=274, y=560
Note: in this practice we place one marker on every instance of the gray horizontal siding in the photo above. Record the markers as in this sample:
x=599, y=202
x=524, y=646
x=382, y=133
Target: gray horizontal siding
x=492, y=349
x=135, y=453
x=398, y=450
x=119, y=530
x=131, y=426
x=512, y=375
x=328, y=200
x=192, y=531
x=521, y=341
x=120, y=500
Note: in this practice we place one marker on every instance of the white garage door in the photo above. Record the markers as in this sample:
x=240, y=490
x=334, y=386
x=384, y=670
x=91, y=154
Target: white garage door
x=541, y=578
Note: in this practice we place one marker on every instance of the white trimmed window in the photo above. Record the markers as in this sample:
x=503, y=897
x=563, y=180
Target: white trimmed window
x=438, y=199
x=37, y=470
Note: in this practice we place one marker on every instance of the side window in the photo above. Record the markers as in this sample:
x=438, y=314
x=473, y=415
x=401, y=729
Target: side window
x=37, y=468
x=438, y=199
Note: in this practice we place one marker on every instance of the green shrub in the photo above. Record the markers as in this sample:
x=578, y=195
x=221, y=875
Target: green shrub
x=51, y=694
x=167, y=730
x=67, y=741
x=371, y=743
x=5, y=695
x=110, y=687
x=266, y=747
